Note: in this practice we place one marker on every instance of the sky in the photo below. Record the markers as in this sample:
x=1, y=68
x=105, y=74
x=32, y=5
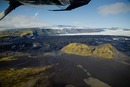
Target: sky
x=97, y=14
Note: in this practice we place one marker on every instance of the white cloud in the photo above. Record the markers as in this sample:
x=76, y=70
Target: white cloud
x=115, y=8
x=21, y=21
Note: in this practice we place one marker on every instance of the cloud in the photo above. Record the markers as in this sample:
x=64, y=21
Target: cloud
x=115, y=8
x=21, y=21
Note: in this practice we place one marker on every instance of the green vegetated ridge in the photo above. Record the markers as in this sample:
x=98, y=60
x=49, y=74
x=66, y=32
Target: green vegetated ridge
x=26, y=77
x=8, y=58
x=20, y=33
x=26, y=32
x=104, y=50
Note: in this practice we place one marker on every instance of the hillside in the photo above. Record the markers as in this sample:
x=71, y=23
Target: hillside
x=104, y=50
x=16, y=32
x=45, y=31
x=63, y=30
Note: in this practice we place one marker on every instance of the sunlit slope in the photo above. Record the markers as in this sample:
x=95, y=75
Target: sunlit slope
x=104, y=51
x=26, y=32
x=78, y=49
x=20, y=33
x=26, y=77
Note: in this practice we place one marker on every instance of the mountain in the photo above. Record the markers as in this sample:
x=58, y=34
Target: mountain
x=78, y=49
x=60, y=27
x=62, y=30
x=16, y=32
x=104, y=50
x=47, y=31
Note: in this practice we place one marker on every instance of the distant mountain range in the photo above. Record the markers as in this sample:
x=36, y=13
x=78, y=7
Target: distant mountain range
x=63, y=27
x=62, y=30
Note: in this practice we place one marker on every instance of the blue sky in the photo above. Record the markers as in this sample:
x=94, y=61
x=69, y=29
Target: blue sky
x=97, y=14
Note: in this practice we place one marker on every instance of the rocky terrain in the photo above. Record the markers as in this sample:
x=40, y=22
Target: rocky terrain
x=29, y=58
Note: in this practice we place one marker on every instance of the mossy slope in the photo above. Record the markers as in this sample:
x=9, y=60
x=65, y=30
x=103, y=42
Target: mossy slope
x=8, y=58
x=104, y=51
x=20, y=33
x=27, y=77
x=78, y=49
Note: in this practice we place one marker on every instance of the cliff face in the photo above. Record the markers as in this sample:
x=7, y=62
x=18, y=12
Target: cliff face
x=104, y=51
